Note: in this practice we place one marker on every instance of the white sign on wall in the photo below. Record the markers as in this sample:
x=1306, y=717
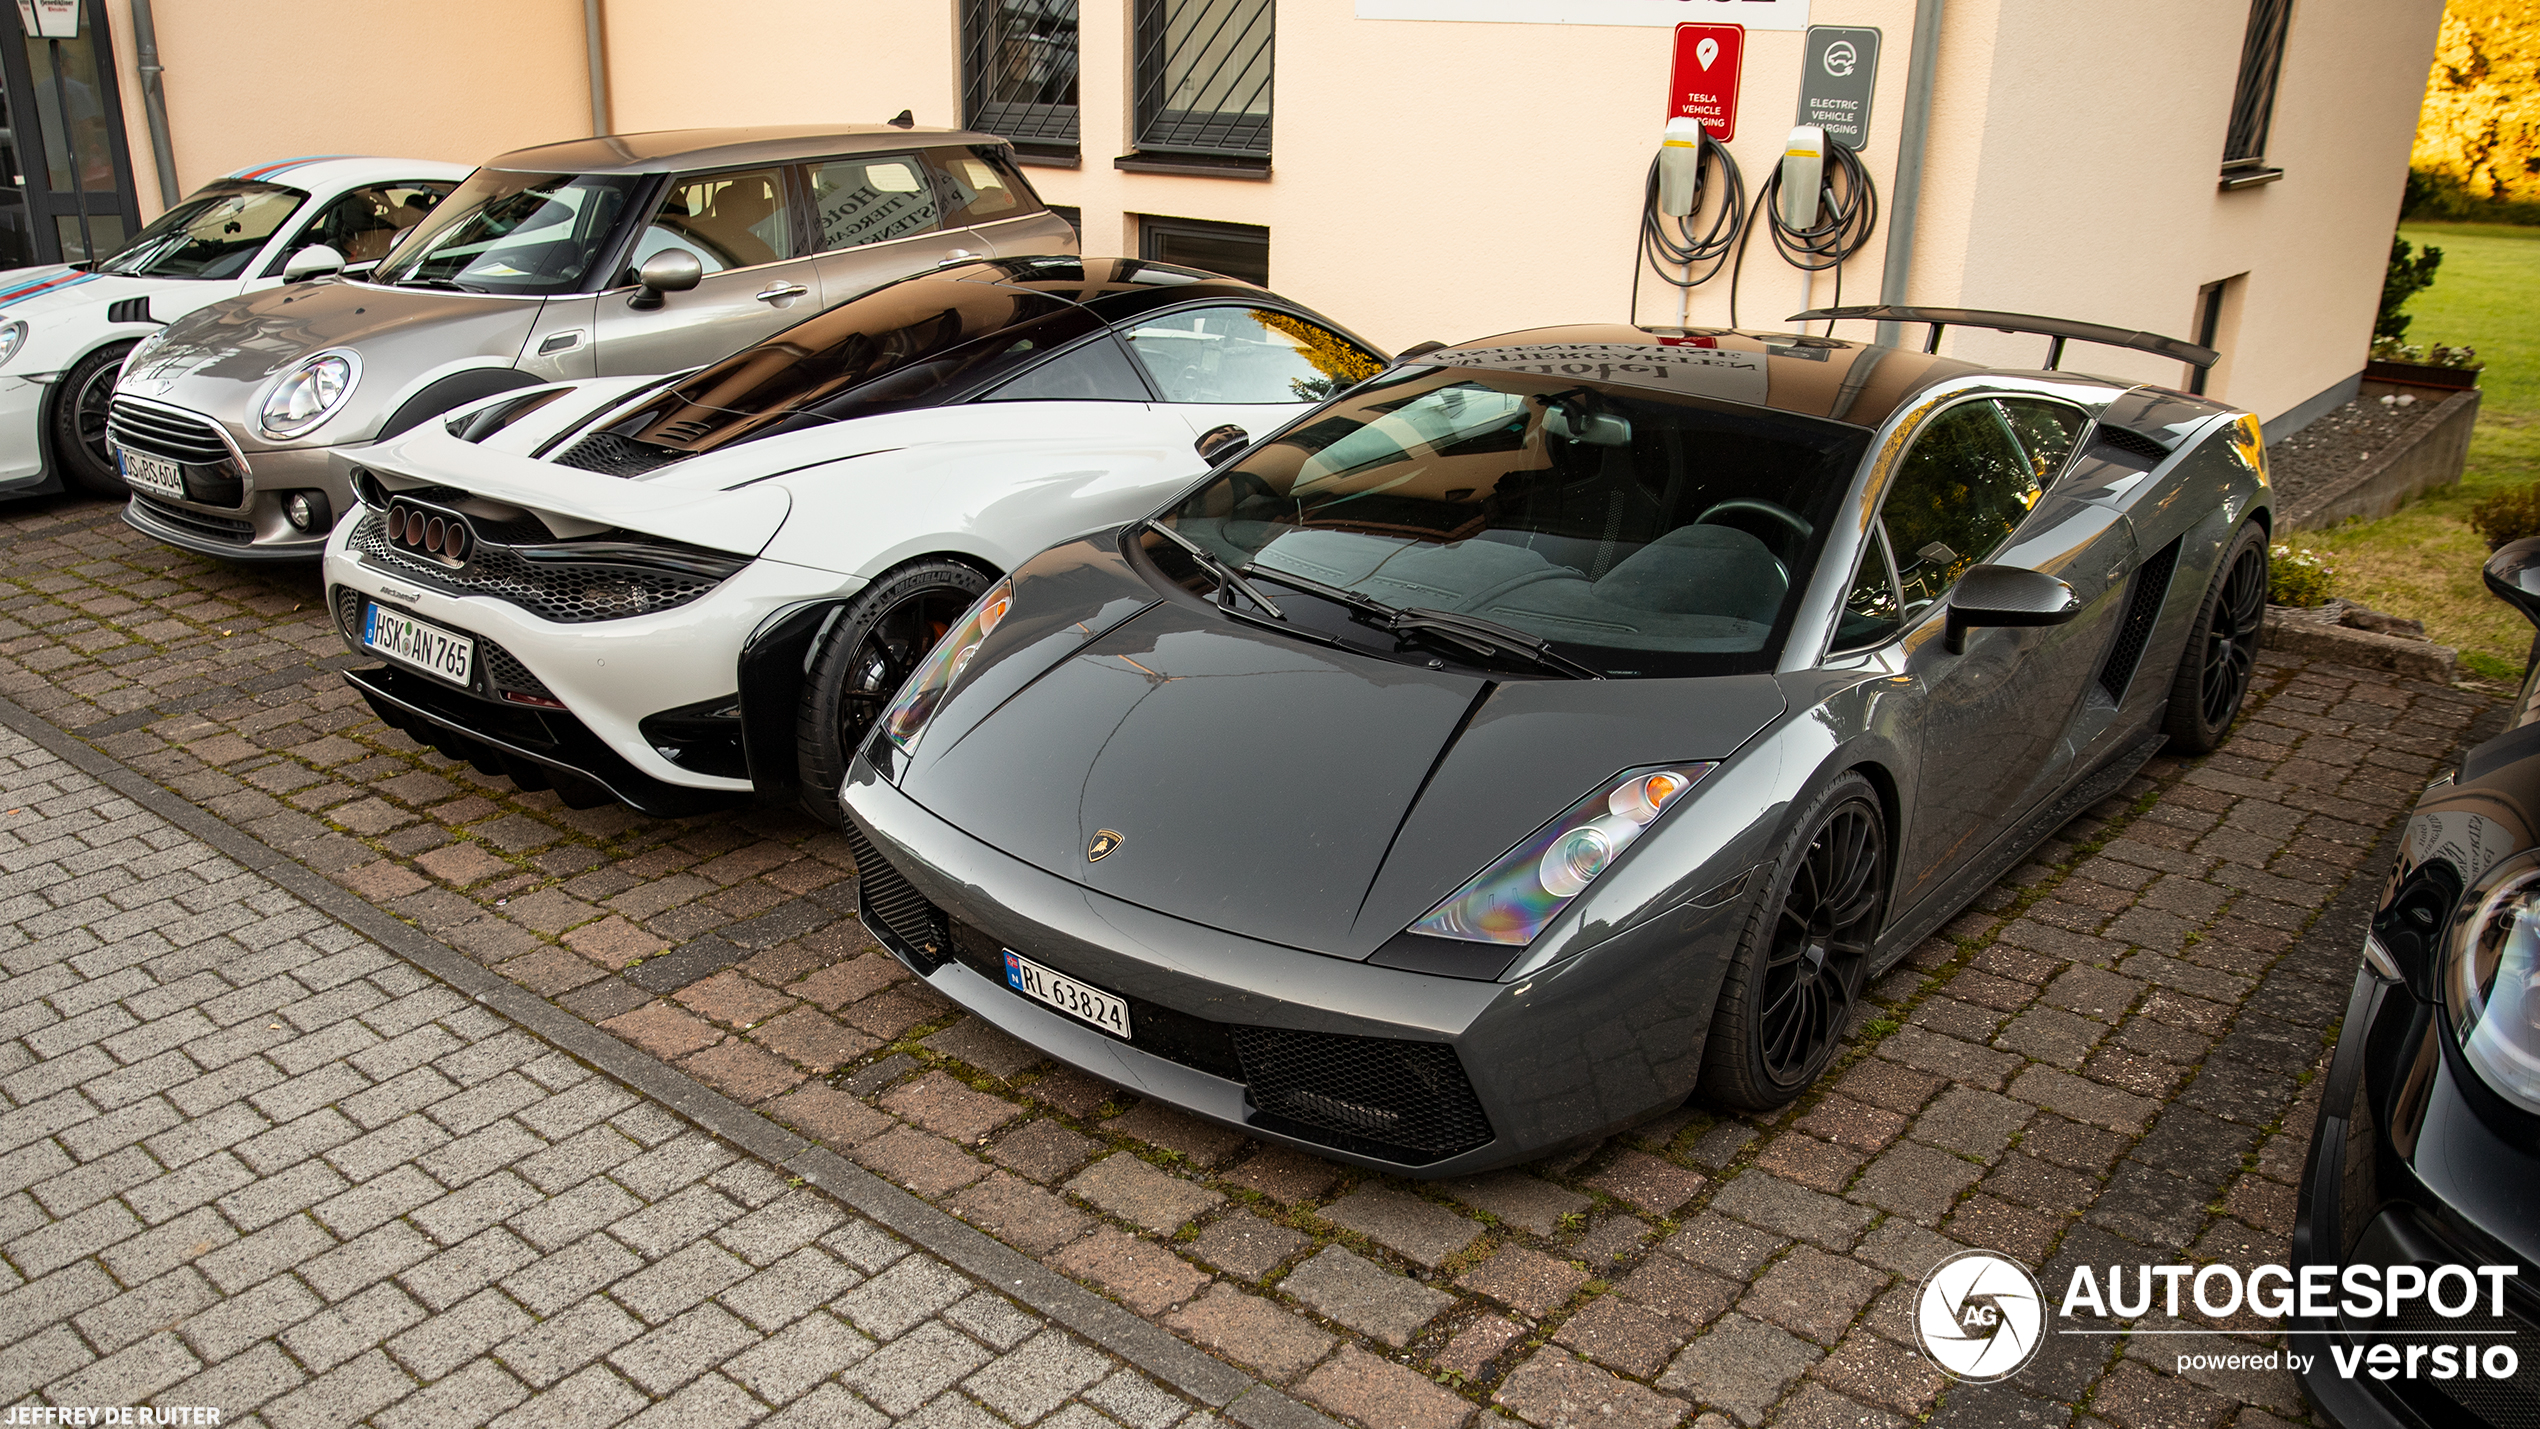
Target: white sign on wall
x=1753, y=14
x=50, y=19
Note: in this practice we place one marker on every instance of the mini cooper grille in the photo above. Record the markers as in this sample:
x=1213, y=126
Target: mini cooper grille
x=1408, y=1101
x=218, y=528
x=2151, y=585
x=565, y=591
x=178, y=436
x=612, y=455
x=886, y=897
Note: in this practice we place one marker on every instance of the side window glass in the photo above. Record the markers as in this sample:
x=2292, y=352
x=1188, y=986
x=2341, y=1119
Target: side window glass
x=979, y=186
x=1089, y=372
x=1872, y=612
x=2046, y=431
x=363, y=224
x=872, y=199
x=726, y=220
x=1234, y=354
x=1961, y=491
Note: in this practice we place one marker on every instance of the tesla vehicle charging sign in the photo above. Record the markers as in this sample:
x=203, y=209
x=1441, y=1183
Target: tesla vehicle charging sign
x=1839, y=71
x=1703, y=82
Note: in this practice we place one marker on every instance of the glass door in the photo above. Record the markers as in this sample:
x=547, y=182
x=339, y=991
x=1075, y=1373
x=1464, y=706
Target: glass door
x=66, y=191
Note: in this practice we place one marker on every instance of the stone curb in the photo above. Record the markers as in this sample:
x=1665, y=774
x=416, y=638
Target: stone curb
x=1150, y=1348
x=2365, y=649
x=2426, y=456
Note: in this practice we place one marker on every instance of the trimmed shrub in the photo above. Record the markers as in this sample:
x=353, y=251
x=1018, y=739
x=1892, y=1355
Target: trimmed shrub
x=2507, y=515
x=2297, y=575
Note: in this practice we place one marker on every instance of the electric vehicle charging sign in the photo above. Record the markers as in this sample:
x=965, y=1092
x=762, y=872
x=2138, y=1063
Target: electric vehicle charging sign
x=1838, y=73
x=1703, y=82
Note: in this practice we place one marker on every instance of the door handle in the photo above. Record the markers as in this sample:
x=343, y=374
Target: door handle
x=778, y=292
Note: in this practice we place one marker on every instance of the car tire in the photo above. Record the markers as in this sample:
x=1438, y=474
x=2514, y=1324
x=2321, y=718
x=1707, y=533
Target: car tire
x=2221, y=654
x=77, y=423
x=861, y=662
x=1791, y=988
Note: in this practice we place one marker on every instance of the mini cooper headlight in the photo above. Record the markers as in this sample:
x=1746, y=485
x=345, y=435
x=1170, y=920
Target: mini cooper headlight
x=309, y=393
x=2491, y=986
x=1511, y=901
x=12, y=337
x=924, y=693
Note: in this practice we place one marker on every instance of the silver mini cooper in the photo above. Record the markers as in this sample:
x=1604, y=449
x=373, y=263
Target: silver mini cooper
x=619, y=255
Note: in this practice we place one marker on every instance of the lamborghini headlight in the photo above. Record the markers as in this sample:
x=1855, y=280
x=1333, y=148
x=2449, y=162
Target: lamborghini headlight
x=1511, y=901
x=924, y=693
x=12, y=337
x=309, y=393
x=2490, y=983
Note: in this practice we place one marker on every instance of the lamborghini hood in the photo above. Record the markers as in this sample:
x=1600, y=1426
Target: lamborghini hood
x=1288, y=791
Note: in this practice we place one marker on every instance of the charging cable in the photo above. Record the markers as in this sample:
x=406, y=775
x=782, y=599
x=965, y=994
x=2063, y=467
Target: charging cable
x=1813, y=236
x=1688, y=170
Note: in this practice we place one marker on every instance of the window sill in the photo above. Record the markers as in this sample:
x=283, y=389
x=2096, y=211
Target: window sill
x=1195, y=165
x=2235, y=179
x=1048, y=158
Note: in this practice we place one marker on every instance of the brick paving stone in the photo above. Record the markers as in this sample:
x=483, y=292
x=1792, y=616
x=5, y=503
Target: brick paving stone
x=1519, y=1199
x=1148, y=1278
x=928, y=1165
x=1247, y=1245
x=942, y=1105
x=1554, y=1391
x=1365, y=1296
x=1375, y=1391
x=1251, y=1331
x=1422, y=1230
x=1742, y=1366
x=1019, y=1213
x=1205, y=1143
x=1615, y=1332
x=1646, y=1181
x=1813, y=1294
x=1042, y=1150
x=1284, y=1174
x=1525, y=1280
x=1138, y=1192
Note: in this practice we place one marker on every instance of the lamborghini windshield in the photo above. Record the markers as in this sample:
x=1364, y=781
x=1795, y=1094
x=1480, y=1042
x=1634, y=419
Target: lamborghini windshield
x=1633, y=531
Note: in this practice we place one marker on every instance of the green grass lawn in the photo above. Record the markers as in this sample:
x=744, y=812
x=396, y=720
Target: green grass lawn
x=2423, y=561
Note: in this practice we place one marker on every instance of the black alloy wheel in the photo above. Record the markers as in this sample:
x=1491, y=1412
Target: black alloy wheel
x=2222, y=651
x=79, y=423
x=869, y=652
x=1796, y=980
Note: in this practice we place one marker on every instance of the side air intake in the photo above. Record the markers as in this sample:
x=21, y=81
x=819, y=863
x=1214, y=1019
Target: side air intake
x=2151, y=589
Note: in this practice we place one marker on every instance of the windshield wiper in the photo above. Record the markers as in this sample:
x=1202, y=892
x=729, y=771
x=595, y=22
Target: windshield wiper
x=450, y=283
x=1227, y=580
x=1486, y=638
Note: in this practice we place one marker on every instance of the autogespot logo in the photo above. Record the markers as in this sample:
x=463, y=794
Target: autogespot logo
x=1980, y=1317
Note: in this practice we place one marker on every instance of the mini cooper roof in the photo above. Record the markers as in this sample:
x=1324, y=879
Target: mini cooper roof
x=661, y=151
x=1855, y=382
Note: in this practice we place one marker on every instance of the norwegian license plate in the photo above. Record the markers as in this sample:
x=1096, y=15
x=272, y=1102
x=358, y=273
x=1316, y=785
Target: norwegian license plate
x=154, y=474
x=1087, y=1004
x=425, y=646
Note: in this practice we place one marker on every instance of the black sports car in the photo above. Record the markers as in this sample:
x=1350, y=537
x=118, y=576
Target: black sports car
x=1546, y=726
x=2427, y=1150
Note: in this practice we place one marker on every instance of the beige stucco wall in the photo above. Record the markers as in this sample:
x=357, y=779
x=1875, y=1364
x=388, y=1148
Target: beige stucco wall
x=250, y=81
x=1450, y=179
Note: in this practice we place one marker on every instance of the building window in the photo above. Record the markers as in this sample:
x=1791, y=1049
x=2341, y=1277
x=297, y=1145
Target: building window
x=2253, y=102
x=1237, y=250
x=1203, y=77
x=1018, y=72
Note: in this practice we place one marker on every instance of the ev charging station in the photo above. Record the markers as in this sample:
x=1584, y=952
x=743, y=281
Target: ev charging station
x=1818, y=205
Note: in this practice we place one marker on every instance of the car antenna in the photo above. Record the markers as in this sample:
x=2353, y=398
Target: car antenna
x=906, y=120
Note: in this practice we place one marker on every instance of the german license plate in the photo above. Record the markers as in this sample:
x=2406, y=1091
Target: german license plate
x=426, y=647
x=154, y=474
x=1065, y=993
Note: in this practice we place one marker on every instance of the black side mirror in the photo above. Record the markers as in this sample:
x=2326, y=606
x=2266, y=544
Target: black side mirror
x=2513, y=574
x=2006, y=595
x=1218, y=443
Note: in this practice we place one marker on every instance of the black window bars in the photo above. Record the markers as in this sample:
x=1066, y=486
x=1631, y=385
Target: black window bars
x=1018, y=70
x=1203, y=77
x=2253, y=102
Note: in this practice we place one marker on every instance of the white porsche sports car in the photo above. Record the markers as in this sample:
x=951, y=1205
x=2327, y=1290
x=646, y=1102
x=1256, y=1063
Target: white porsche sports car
x=680, y=591
x=65, y=330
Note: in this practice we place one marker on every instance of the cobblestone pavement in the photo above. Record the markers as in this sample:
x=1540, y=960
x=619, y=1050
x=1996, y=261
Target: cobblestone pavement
x=250, y=1160
x=2107, y=1060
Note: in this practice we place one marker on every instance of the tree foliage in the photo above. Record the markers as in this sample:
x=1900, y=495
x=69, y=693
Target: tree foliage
x=2409, y=274
x=2478, y=137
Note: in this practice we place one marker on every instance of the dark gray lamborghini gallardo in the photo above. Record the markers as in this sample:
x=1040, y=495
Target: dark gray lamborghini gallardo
x=1550, y=728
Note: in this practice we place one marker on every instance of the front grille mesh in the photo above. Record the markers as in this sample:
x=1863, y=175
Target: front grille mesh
x=1406, y=1100
x=612, y=455
x=887, y=897
x=160, y=431
x=2510, y=1403
x=218, y=528
x=568, y=593
x=2151, y=587
x=504, y=671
